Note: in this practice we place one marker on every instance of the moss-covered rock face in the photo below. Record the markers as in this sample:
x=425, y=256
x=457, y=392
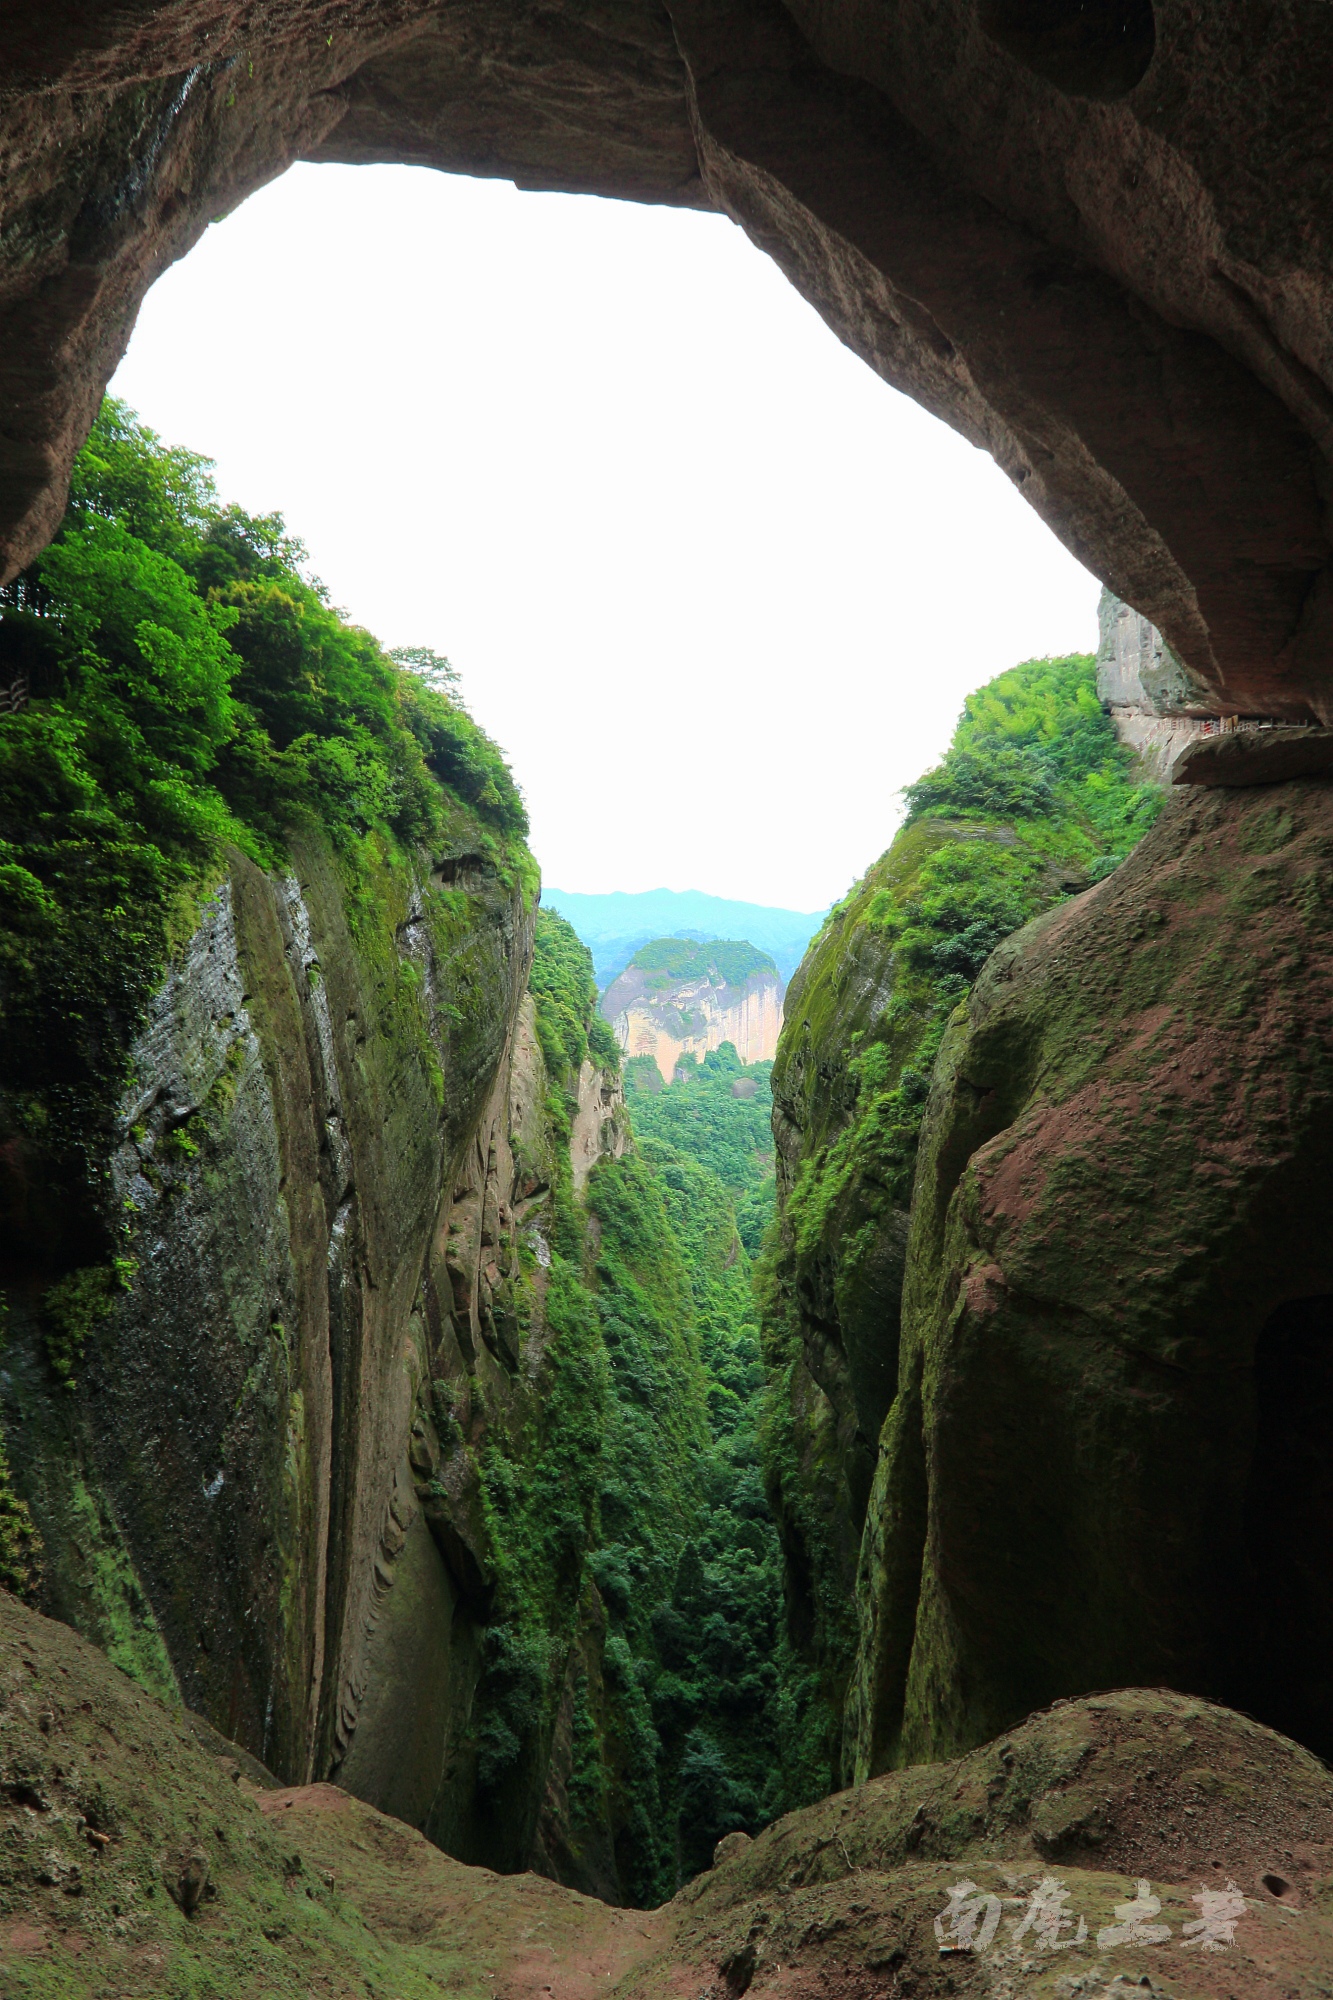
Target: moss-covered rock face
x=1034, y=799
x=1108, y=1459
x=136, y=1858
x=207, y=1430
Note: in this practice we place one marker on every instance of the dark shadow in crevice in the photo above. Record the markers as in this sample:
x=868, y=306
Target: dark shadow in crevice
x=1287, y=1677
x=1086, y=48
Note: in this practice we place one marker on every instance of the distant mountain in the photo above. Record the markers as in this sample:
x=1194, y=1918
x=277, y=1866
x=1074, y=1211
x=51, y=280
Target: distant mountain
x=677, y=998
x=614, y=927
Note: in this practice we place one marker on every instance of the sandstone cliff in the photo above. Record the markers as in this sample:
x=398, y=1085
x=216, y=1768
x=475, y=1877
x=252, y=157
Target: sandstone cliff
x=221, y=1501
x=340, y=1161
x=1157, y=705
x=676, y=999
x=1106, y=1461
x=992, y=841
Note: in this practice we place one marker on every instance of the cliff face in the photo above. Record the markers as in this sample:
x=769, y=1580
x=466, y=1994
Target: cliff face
x=1107, y=1460
x=668, y=1013
x=1155, y=702
x=411, y=1737
x=1007, y=825
x=219, y=1497
x=343, y=1160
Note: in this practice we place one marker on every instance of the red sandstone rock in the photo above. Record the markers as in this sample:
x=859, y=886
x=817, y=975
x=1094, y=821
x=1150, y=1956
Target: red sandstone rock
x=1100, y=250
x=1255, y=757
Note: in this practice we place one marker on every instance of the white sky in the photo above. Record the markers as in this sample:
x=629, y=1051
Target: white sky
x=715, y=589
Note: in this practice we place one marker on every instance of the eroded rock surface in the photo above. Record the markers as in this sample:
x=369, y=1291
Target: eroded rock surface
x=108, y=1802
x=667, y=1013
x=224, y=1499
x=864, y=1016
x=1107, y=1461
x=1098, y=249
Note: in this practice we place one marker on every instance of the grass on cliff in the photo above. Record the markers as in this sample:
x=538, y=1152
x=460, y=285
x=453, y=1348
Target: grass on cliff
x=190, y=687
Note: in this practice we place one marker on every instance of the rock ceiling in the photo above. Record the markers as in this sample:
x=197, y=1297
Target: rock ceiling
x=1092, y=235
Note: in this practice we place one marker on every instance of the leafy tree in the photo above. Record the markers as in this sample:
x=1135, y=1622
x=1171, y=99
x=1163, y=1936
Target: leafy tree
x=192, y=688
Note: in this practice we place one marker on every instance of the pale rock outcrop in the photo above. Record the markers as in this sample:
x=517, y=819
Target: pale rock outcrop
x=1156, y=704
x=600, y=1129
x=694, y=1016
x=1180, y=730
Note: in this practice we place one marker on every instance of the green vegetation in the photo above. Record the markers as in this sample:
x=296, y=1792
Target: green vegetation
x=569, y=1028
x=1035, y=800
x=706, y=1117
x=191, y=688
x=72, y=1308
x=726, y=961
x=20, y=1543
x=738, y=1712
x=639, y=1576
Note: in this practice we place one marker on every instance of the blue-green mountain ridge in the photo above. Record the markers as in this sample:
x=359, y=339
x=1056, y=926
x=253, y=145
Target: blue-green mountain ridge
x=614, y=926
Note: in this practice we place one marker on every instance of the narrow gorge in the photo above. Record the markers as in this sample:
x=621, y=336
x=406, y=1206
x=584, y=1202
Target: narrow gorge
x=439, y=1419
x=516, y=1492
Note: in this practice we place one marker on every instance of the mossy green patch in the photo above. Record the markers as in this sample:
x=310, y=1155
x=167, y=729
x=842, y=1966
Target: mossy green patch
x=1034, y=800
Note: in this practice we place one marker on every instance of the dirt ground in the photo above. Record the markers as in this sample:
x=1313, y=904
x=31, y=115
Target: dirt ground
x=1134, y=1843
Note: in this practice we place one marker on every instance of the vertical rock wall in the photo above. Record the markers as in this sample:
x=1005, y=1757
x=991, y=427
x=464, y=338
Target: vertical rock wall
x=220, y=1497
x=1107, y=1462
x=406, y=1735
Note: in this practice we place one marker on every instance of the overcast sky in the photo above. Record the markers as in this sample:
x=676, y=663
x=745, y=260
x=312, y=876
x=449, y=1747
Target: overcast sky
x=715, y=589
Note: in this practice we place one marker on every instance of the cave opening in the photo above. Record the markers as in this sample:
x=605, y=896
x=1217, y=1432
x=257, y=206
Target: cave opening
x=1289, y=1524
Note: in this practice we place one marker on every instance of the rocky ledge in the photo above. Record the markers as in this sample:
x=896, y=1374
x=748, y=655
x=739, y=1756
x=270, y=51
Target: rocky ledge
x=1137, y=1841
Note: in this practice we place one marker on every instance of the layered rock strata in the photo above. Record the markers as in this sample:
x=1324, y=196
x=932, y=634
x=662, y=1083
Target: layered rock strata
x=1099, y=249
x=1107, y=1459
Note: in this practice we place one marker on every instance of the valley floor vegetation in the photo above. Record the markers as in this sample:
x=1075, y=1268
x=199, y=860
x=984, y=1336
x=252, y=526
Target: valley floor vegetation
x=632, y=1525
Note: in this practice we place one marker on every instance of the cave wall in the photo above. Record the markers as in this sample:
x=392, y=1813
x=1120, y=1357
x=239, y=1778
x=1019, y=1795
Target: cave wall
x=1065, y=241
